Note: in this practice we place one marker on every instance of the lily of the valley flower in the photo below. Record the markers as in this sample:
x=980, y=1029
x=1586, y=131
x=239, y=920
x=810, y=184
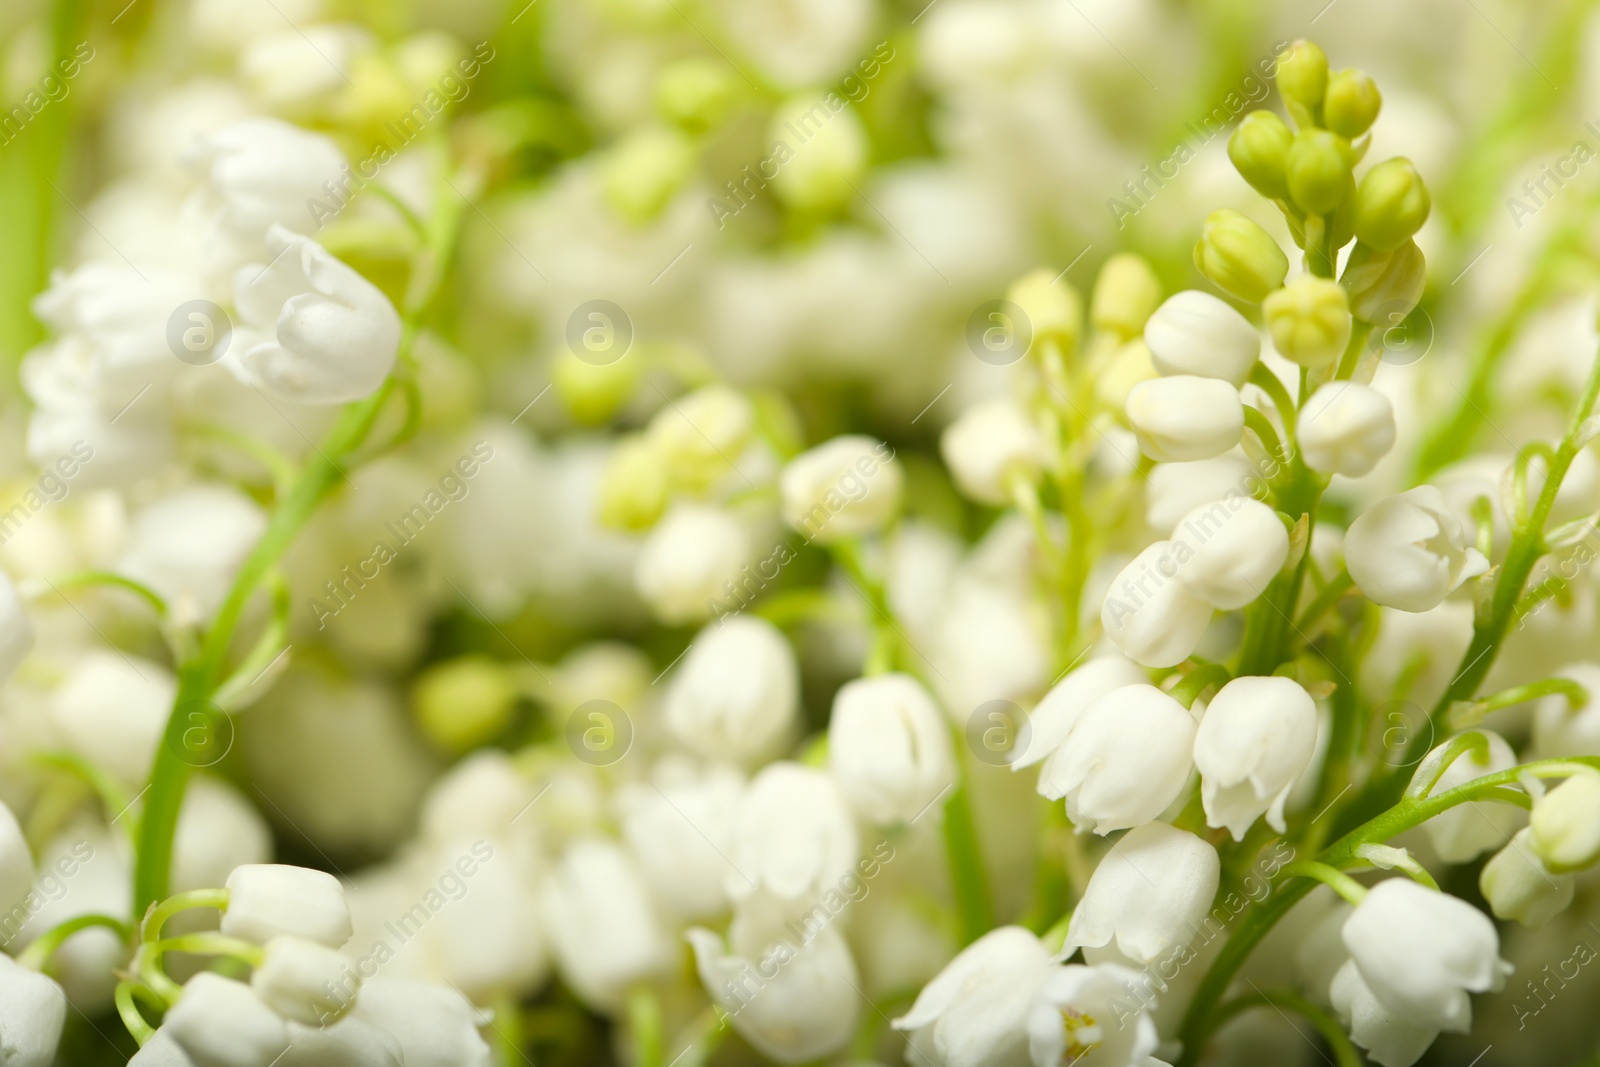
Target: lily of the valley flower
x=736, y=694
x=188, y=546
x=889, y=748
x=434, y=1025
x=32, y=1012
x=219, y=1022
x=844, y=487
x=989, y=444
x=1151, y=616
x=1409, y=551
x=1185, y=417
x=1125, y=758
x=602, y=923
x=690, y=561
x=312, y=330
x=1468, y=830
x=268, y=900
x=1149, y=894
x=1193, y=332
x=1566, y=824
x=1095, y=1016
x=1389, y=1036
x=1345, y=428
x=794, y=836
x=1237, y=545
x=305, y=981
x=1519, y=886
x=1255, y=741
x=975, y=1012
x=1055, y=714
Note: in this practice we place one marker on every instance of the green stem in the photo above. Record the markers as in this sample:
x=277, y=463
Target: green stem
x=1258, y=423
x=108, y=789
x=38, y=953
x=644, y=1020
x=1268, y=620
x=1330, y=595
x=1262, y=378
x=155, y=918
x=132, y=1018
x=966, y=866
x=1197, y=681
x=84, y=579
x=1335, y=879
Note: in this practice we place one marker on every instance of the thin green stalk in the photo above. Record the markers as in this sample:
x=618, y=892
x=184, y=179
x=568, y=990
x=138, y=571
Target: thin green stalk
x=38, y=953
x=966, y=866
x=85, y=579
x=1269, y=619
x=132, y=1018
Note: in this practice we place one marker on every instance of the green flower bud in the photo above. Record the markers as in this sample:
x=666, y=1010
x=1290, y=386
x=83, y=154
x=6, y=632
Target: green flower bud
x=1318, y=170
x=823, y=152
x=1566, y=824
x=700, y=436
x=1351, y=104
x=696, y=94
x=1125, y=294
x=633, y=486
x=593, y=393
x=1259, y=149
x=1309, y=320
x=1384, y=286
x=644, y=171
x=463, y=702
x=1392, y=203
x=1054, y=309
x=1303, y=74
x=1518, y=885
x=1239, y=256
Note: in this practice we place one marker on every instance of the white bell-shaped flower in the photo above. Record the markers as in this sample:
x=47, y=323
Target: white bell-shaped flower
x=219, y=1022
x=112, y=709
x=794, y=836
x=1125, y=758
x=496, y=944
x=305, y=981
x=680, y=828
x=1087, y=1015
x=312, y=330
x=1421, y=952
x=348, y=1041
x=1172, y=490
x=1255, y=741
x=1565, y=824
x=1409, y=551
x=848, y=486
x=889, y=748
x=435, y=1025
x=1466, y=831
x=793, y=999
x=1519, y=886
x=1193, y=332
x=736, y=696
x=1151, y=616
x=1345, y=428
x=218, y=830
x=1389, y=1037
x=989, y=443
x=32, y=1011
x=268, y=900
x=189, y=545
x=975, y=1012
x=1149, y=895
x=1054, y=715
x=689, y=563
x=16, y=632
x=160, y=1051
x=1185, y=417
x=602, y=923
x=1238, y=546
x=1559, y=729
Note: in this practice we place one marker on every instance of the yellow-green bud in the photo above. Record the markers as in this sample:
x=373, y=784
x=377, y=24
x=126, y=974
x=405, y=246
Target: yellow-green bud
x=1259, y=149
x=633, y=486
x=700, y=436
x=1239, y=256
x=1126, y=293
x=1566, y=824
x=1392, y=203
x=1319, y=167
x=463, y=702
x=1309, y=320
x=1384, y=286
x=1054, y=309
x=822, y=152
x=593, y=393
x=644, y=171
x=696, y=93
x=1351, y=104
x=1303, y=74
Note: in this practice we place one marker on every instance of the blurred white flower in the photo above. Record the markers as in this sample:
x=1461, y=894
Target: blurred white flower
x=602, y=923
x=844, y=487
x=219, y=1022
x=680, y=828
x=794, y=837
x=889, y=748
x=304, y=981
x=1345, y=428
x=16, y=632
x=690, y=563
x=188, y=546
x=1468, y=830
x=112, y=710
x=990, y=443
x=1519, y=886
x=435, y=1025
x=735, y=697
x=32, y=1013
x=1409, y=551
x=296, y=72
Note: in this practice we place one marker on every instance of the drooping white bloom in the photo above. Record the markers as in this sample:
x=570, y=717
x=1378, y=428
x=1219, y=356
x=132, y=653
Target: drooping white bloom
x=115, y=444
x=1054, y=715
x=737, y=693
x=1149, y=895
x=1467, y=830
x=1421, y=952
x=1255, y=741
x=1558, y=729
x=483, y=794
x=602, y=923
x=1519, y=886
x=701, y=436
x=348, y=1041
x=1345, y=428
x=975, y=1013
x=306, y=981
x=680, y=827
x=293, y=71
x=496, y=944
x=188, y=546
x=1409, y=551
x=794, y=836
x=1151, y=616
x=689, y=562
x=219, y=1022
x=1565, y=824
x=1082, y=1015
x=989, y=443
x=804, y=1011
x=16, y=632
x=1185, y=417
x=798, y=44
x=267, y=900
x=1125, y=758
x=889, y=748
x=1193, y=332
x=1237, y=545
x=844, y=487
x=218, y=830
x=312, y=330
x=435, y=1025
x=112, y=709
x=32, y=1011
x=1172, y=490
x=1388, y=1035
